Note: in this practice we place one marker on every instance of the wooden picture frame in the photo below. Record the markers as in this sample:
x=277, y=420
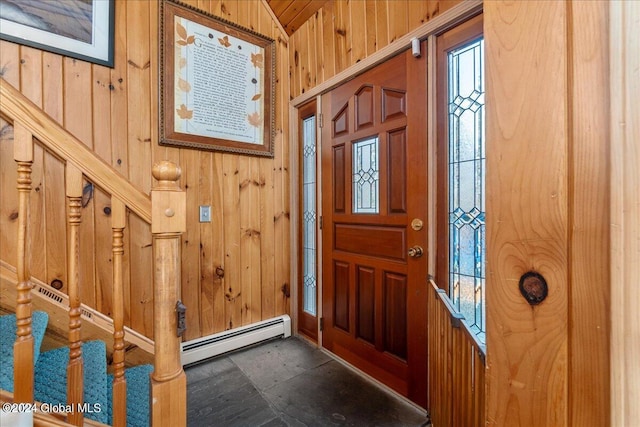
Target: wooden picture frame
x=81, y=29
x=216, y=83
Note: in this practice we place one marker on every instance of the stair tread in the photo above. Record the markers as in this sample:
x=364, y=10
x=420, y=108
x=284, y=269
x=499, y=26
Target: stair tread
x=39, y=320
x=51, y=377
x=138, y=379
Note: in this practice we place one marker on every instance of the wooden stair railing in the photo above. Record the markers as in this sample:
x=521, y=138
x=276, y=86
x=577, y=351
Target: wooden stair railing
x=456, y=365
x=165, y=211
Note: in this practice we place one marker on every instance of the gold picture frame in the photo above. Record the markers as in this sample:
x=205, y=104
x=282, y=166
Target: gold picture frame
x=216, y=83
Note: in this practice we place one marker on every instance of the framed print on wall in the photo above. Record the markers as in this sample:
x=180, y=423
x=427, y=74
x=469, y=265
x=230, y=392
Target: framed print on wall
x=216, y=83
x=81, y=29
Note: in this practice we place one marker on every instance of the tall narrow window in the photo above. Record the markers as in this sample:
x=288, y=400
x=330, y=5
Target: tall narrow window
x=461, y=151
x=308, y=214
x=466, y=182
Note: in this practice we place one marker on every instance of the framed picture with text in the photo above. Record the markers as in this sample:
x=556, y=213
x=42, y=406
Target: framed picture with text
x=216, y=83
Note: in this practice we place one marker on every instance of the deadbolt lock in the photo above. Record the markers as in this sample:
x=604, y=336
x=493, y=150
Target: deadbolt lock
x=415, y=251
x=417, y=224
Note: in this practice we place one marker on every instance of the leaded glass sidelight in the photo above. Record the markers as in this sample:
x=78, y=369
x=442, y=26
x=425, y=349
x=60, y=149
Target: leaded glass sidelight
x=309, y=215
x=466, y=169
x=366, y=176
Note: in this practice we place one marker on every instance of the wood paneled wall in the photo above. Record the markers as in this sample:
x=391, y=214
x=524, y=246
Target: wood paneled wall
x=547, y=211
x=625, y=212
x=344, y=32
x=114, y=112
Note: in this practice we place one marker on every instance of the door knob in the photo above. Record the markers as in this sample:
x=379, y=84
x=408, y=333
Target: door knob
x=415, y=251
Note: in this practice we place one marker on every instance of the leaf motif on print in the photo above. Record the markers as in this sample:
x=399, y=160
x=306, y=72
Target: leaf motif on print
x=184, y=85
x=181, y=31
x=256, y=96
x=254, y=119
x=181, y=42
x=224, y=41
x=191, y=39
x=257, y=60
x=183, y=62
x=184, y=112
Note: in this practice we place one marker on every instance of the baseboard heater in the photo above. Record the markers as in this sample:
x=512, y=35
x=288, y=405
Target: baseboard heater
x=223, y=342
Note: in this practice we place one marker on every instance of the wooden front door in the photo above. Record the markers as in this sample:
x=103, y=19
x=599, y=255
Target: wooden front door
x=374, y=199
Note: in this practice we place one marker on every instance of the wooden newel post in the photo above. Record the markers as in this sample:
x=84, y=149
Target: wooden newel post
x=168, y=222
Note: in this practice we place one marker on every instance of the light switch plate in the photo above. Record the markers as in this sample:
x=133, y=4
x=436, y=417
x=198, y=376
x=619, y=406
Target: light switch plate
x=205, y=213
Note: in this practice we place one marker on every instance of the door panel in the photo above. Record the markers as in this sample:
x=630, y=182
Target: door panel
x=373, y=160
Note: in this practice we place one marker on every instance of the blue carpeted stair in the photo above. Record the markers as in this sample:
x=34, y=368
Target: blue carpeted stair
x=51, y=378
x=137, y=401
x=8, y=329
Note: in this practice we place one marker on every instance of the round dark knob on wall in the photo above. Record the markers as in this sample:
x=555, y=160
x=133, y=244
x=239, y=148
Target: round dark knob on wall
x=56, y=284
x=533, y=287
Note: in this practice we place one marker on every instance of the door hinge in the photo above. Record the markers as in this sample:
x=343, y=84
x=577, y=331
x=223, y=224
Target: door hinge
x=322, y=323
x=321, y=222
x=320, y=120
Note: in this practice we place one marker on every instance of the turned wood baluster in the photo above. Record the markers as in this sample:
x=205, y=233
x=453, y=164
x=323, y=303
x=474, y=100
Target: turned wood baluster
x=75, y=385
x=23, y=346
x=118, y=222
x=168, y=222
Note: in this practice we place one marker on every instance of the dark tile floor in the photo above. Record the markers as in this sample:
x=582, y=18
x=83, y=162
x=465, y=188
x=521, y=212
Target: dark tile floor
x=288, y=382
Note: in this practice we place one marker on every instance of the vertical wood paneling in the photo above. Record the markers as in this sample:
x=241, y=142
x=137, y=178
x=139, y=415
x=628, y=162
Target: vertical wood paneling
x=139, y=150
x=231, y=211
x=217, y=257
x=118, y=86
x=9, y=64
x=294, y=71
x=625, y=211
x=398, y=20
x=207, y=262
x=340, y=35
x=79, y=121
x=328, y=51
x=31, y=70
x=246, y=236
x=358, y=31
x=382, y=24
x=418, y=13
x=267, y=232
x=101, y=94
x=303, y=58
x=190, y=164
x=312, y=68
x=53, y=102
x=317, y=51
x=589, y=205
x=371, y=27
x=281, y=196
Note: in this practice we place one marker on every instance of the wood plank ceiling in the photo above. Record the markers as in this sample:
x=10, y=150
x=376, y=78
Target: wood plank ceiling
x=293, y=13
